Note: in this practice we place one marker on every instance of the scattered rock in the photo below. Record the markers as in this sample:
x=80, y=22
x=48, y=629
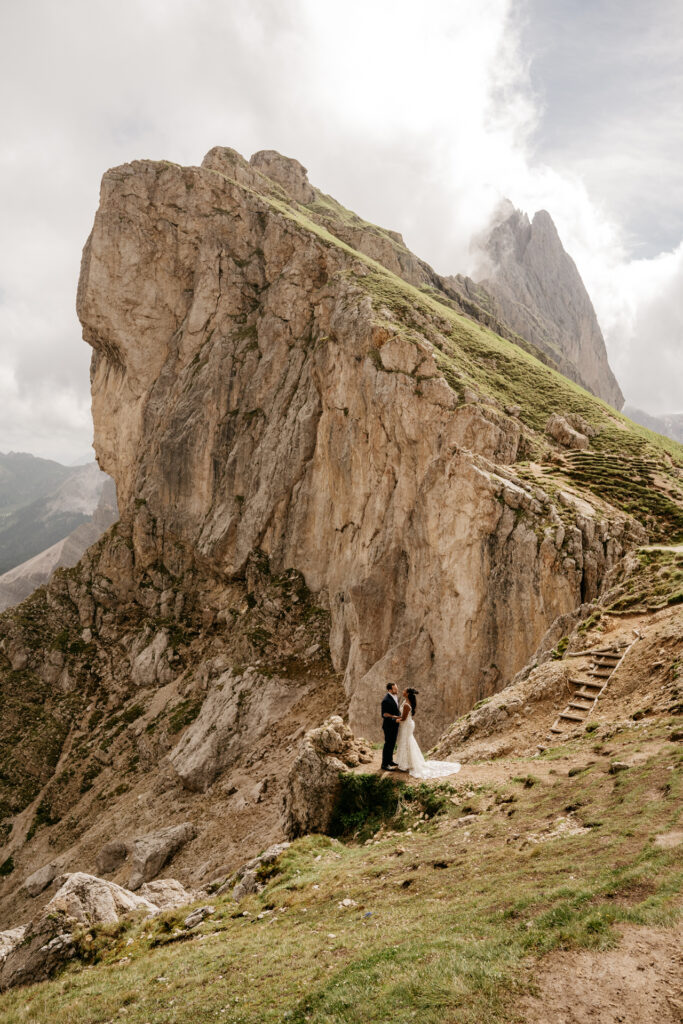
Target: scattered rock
x=151, y=852
x=111, y=856
x=40, y=879
x=247, y=884
x=197, y=916
x=166, y=893
x=618, y=766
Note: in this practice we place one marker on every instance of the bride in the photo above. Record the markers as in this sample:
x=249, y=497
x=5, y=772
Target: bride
x=408, y=754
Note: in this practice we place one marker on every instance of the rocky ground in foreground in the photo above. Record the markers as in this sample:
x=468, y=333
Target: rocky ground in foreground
x=536, y=885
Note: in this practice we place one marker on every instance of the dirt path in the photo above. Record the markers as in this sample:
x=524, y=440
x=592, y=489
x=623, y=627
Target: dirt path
x=639, y=982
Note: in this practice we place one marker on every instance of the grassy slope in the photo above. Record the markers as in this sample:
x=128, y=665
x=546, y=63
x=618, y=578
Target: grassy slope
x=449, y=918
x=628, y=466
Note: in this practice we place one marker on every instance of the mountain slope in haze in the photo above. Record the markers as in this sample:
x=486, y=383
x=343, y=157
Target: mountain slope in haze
x=530, y=283
x=670, y=425
x=22, y=580
x=37, y=525
x=328, y=476
x=25, y=478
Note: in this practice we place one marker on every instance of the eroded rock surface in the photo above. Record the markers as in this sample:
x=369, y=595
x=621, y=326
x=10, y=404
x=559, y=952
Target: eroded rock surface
x=150, y=853
x=313, y=784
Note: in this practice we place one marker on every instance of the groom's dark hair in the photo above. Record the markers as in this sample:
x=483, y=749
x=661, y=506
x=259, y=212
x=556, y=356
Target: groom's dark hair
x=389, y=685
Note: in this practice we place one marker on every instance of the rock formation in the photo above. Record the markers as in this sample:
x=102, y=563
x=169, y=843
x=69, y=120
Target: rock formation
x=263, y=393
x=314, y=782
x=327, y=476
x=531, y=284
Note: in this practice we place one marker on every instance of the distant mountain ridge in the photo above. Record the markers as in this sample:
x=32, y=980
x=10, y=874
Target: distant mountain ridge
x=529, y=282
x=24, y=478
x=43, y=503
x=18, y=583
x=670, y=424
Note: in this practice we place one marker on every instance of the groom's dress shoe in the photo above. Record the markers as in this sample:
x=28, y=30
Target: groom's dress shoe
x=394, y=764
x=389, y=767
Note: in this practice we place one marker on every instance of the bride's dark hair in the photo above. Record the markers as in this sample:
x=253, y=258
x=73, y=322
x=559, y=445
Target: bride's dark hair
x=412, y=694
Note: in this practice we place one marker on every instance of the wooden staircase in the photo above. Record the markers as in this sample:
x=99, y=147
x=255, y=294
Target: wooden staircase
x=593, y=671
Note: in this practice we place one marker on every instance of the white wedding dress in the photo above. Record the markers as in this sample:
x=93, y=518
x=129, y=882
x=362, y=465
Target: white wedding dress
x=409, y=756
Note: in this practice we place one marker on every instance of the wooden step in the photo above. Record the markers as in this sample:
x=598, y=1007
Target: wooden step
x=600, y=673
x=592, y=697
x=570, y=717
x=588, y=683
x=578, y=707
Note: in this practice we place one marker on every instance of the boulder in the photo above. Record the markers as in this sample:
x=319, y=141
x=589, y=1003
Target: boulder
x=91, y=900
x=40, y=879
x=562, y=431
x=166, y=893
x=151, y=852
x=247, y=884
x=9, y=940
x=197, y=916
x=314, y=779
x=44, y=945
x=32, y=953
x=111, y=856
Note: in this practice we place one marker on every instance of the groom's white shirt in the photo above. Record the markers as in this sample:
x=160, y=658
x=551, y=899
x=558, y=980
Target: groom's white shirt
x=396, y=703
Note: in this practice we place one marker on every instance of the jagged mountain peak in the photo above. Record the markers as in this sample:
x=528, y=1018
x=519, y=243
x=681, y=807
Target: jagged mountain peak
x=533, y=286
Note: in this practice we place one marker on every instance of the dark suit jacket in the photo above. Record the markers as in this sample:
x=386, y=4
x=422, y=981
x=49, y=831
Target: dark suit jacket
x=389, y=707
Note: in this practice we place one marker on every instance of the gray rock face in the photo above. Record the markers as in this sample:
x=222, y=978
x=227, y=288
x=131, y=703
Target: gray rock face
x=151, y=852
x=537, y=291
x=313, y=783
x=238, y=710
x=111, y=856
x=40, y=879
x=166, y=893
x=564, y=433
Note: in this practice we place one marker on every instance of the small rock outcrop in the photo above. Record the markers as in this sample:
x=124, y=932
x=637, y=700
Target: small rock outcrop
x=166, y=893
x=150, y=853
x=559, y=428
x=247, y=879
x=313, y=783
x=33, y=952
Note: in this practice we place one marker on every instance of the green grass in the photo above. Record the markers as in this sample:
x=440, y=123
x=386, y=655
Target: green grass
x=447, y=923
x=657, y=582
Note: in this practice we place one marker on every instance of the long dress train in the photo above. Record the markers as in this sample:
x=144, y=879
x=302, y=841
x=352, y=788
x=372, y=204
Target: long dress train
x=409, y=756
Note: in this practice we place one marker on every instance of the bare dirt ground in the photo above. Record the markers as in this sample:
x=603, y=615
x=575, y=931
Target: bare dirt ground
x=639, y=982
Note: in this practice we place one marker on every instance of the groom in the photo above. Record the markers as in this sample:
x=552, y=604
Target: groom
x=390, y=718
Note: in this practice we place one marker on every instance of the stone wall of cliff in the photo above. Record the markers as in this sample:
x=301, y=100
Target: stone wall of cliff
x=256, y=387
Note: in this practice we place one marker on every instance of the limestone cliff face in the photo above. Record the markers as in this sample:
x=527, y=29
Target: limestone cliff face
x=256, y=387
x=533, y=286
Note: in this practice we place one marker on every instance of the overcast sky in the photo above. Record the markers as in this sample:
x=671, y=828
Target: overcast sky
x=418, y=116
